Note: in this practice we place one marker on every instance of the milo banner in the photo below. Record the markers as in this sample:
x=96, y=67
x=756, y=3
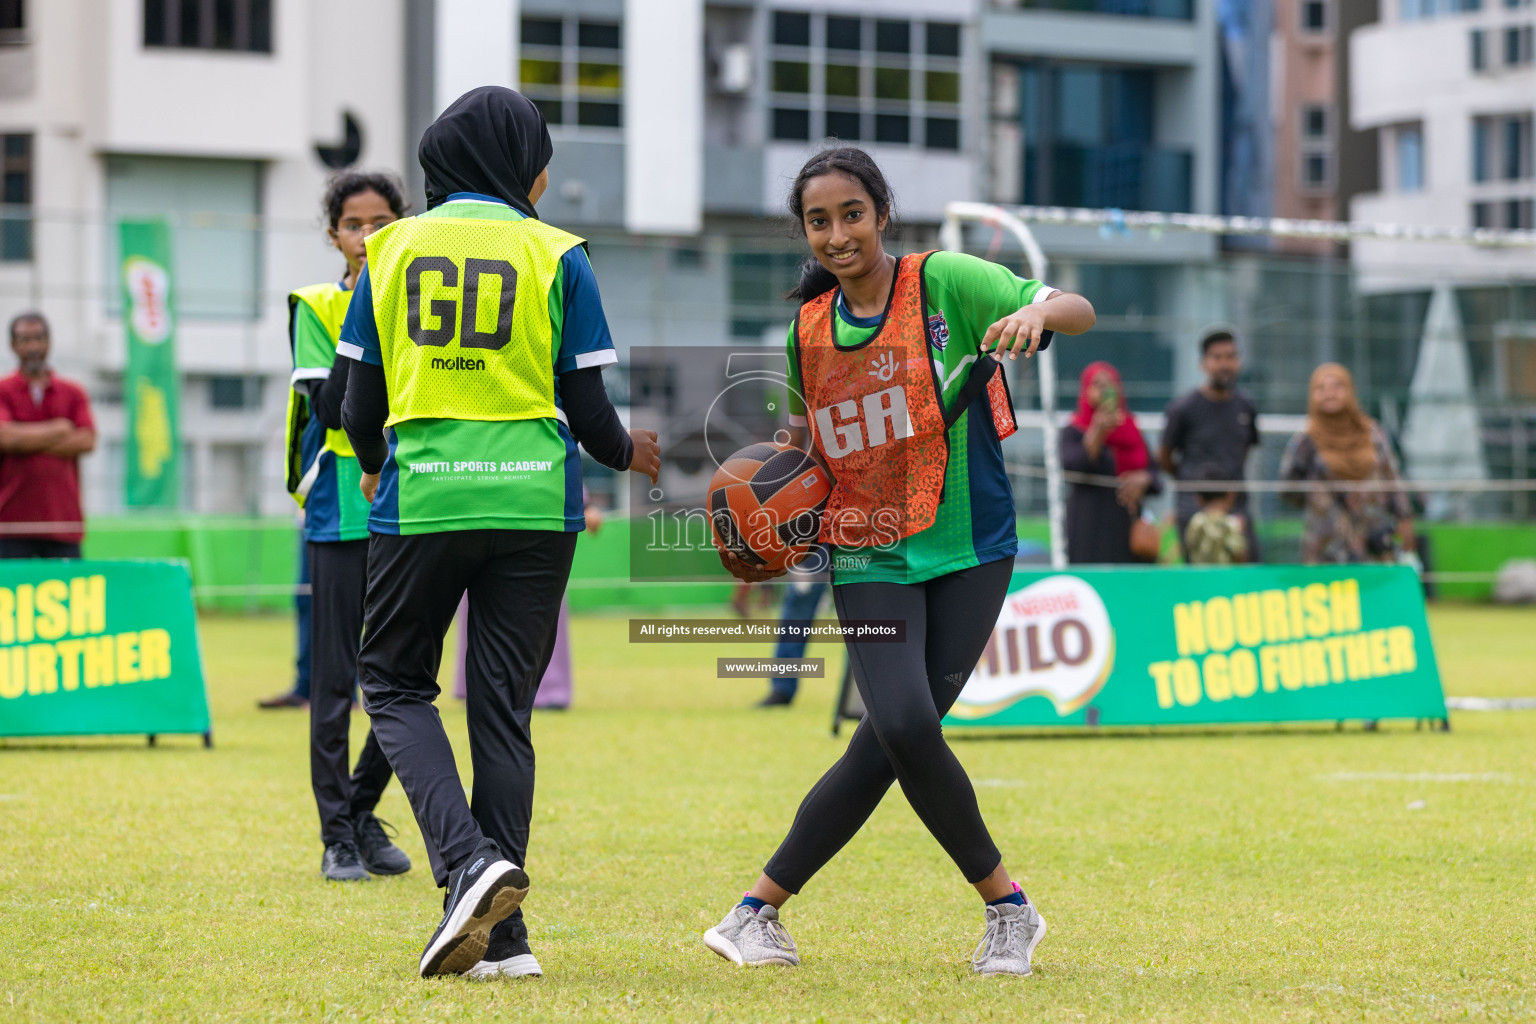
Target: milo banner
x=152, y=452
x=1187, y=646
x=99, y=647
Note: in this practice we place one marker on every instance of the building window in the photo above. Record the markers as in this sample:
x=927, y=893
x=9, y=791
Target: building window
x=791, y=124
x=13, y=16
x=1314, y=15
x=687, y=256
x=1479, y=55
x=844, y=125
x=1089, y=138
x=1317, y=147
x=893, y=129
x=1480, y=148
x=1509, y=215
x=865, y=79
x=237, y=25
x=792, y=28
x=1516, y=160
x=214, y=210
x=758, y=280
x=1181, y=9
x=893, y=37
x=1517, y=45
x=792, y=76
x=1410, y=158
x=893, y=84
x=843, y=81
x=1314, y=122
x=1413, y=10
x=845, y=34
x=1517, y=214
x=942, y=87
x=573, y=70
x=941, y=133
x=943, y=39
x=234, y=392
x=1316, y=170
x=1501, y=148
x=16, y=191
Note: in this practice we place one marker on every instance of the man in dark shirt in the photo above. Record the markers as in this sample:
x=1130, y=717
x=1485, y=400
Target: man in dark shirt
x=1212, y=427
x=45, y=426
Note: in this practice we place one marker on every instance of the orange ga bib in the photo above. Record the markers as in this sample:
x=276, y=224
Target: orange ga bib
x=876, y=416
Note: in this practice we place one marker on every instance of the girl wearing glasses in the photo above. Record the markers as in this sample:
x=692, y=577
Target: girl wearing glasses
x=322, y=476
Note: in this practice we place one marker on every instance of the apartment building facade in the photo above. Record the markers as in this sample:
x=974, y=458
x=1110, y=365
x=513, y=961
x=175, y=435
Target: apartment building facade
x=219, y=117
x=678, y=127
x=1448, y=87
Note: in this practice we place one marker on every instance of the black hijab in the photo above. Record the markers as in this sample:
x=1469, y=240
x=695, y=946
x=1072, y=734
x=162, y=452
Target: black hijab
x=491, y=140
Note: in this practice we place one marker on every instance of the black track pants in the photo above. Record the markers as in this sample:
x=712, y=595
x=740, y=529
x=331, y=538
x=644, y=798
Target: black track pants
x=515, y=580
x=907, y=688
x=339, y=578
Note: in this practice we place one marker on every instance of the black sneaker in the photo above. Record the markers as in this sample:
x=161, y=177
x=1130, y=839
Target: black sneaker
x=775, y=699
x=379, y=855
x=507, y=955
x=481, y=894
x=342, y=863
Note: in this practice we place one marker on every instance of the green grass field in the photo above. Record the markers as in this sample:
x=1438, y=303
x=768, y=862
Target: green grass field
x=1277, y=876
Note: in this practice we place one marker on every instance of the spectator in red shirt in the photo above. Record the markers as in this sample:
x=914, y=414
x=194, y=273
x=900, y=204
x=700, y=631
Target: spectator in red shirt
x=45, y=426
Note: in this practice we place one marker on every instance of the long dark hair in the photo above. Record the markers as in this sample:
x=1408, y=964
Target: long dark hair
x=346, y=184
x=816, y=279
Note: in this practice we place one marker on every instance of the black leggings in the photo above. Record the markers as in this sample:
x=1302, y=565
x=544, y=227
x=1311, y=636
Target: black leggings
x=515, y=579
x=339, y=571
x=907, y=688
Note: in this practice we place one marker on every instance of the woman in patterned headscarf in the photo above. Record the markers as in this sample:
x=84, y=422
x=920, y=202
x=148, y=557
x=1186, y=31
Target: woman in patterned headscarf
x=1342, y=444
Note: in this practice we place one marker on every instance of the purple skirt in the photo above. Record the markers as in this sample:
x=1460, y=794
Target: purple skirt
x=554, y=688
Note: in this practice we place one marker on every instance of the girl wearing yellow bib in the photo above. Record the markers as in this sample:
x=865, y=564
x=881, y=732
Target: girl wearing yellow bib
x=477, y=369
x=323, y=478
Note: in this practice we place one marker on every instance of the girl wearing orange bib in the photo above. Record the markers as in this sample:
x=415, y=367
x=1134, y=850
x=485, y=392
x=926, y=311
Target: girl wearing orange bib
x=895, y=375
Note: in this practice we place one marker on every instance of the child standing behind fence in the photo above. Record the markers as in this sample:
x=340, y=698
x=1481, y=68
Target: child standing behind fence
x=1215, y=535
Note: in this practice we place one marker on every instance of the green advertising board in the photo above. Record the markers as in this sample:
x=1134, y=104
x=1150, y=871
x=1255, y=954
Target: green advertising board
x=150, y=385
x=1132, y=646
x=90, y=648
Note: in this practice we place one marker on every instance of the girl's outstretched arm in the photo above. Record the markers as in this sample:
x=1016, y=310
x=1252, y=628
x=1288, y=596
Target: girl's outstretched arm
x=1023, y=329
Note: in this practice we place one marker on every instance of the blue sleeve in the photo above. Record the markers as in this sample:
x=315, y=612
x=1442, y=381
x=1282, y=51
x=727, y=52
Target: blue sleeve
x=359, y=332
x=584, y=337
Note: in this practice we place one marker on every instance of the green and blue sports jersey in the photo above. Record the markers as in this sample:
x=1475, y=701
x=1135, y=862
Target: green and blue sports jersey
x=334, y=507
x=461, y=474
x=976, y=521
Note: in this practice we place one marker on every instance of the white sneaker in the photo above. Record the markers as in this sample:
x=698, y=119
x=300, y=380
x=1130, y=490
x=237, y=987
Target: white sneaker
x=1012, y=934
x=507, y=954
x=753, y=939
x=480, y=896
x=523, y=965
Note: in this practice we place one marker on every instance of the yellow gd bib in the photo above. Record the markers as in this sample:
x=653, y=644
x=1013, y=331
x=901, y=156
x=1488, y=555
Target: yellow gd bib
x=329, y=302
x=462, y=308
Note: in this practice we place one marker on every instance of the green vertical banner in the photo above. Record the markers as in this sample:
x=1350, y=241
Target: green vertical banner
x=152, y=454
